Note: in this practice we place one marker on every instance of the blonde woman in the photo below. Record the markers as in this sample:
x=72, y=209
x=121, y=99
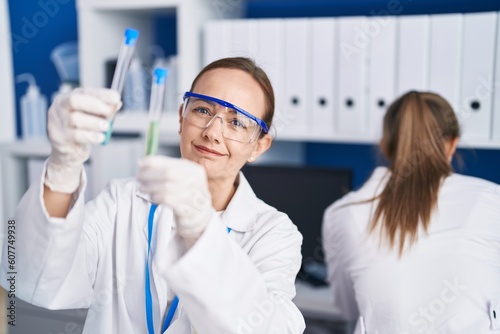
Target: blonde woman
x=417, y=248
x=186, y=246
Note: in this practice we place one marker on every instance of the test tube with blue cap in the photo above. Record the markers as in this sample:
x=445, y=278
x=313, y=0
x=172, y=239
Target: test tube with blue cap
x=155, y=109
x=124, y=58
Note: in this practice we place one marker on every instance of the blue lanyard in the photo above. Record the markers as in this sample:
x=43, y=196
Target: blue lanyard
x=149, y=302
x=147, y=287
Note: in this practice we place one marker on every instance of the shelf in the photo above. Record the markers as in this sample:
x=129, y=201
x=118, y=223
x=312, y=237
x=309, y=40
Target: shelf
x=479, y=145
x=326, y=138
x=137, y=122
x=357, y=140
x=127, y=4
x=36, y=148
x=101, y=24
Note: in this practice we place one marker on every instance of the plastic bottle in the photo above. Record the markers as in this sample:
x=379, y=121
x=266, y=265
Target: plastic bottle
x=33, y=109
x=135, y=94
x=172, y=94
x=64, y=87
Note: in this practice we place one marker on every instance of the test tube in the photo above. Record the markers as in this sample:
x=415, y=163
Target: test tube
x=155, y=109
x=122, y=65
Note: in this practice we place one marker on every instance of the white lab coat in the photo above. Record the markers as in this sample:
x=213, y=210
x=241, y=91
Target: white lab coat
x=447, y=282
x=237, y=283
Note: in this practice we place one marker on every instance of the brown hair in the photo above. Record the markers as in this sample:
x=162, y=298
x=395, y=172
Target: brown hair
x=416, y=127
x=247, y=65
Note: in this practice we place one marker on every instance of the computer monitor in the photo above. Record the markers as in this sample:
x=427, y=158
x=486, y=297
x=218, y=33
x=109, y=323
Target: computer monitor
x=303, y=193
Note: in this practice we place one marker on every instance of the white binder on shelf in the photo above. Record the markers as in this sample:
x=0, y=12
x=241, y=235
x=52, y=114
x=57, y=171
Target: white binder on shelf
x=475, y=112
x=297, y=77
x=323, y=76
x=352, y=70
x=413, y=55
x=243, y=38
x=270, y=55
x=382, y=71
x=496, y=89
x=445, y=64
x=217, y=40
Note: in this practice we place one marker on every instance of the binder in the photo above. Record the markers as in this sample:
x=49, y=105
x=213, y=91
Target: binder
x=413, y=55
x=496, y=96
x=217, y=41
x=297, y=77
x=270, y=56
x=323, y=77
x=445, y=66
x=475, y=112
x=243, y=39
x=352, y=69
x=382, y=71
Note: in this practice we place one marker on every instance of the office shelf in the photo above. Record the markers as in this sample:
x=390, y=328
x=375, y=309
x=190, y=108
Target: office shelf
x=101, y=25
x=137, y=123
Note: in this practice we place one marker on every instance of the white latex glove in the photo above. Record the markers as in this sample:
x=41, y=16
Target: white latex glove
x=75, y=121
x=182, y=185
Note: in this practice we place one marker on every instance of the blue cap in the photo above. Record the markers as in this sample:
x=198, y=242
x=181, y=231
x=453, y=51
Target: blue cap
x=131, y=36
x=160, y=75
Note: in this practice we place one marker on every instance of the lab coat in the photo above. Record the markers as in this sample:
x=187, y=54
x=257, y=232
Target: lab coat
x=447, y=282
x=241, y=282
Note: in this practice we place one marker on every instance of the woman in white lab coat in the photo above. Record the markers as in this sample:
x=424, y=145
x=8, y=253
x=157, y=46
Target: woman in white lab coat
x=417, y=248
x=230, y=259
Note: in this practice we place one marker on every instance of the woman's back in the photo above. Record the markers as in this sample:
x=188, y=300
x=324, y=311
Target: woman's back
x=445, y=282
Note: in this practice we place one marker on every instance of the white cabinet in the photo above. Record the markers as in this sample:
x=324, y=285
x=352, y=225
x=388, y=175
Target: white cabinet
x=100, y=28
x=101, y=24
x=15, y=166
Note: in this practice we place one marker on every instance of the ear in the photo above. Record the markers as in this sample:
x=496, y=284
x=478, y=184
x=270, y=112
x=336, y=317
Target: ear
x=180, y=116
x=451, y=147
x=262, y=145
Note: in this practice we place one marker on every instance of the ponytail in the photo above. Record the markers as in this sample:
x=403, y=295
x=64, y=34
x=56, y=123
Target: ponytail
x=416, y=127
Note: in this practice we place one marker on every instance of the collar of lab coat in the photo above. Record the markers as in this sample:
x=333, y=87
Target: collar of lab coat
x=240, y=214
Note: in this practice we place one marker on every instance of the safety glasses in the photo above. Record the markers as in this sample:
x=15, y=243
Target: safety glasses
x=237, y=124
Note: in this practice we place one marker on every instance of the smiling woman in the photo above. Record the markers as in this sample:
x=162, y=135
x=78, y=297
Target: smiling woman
x=195, y=276
x=209, y=145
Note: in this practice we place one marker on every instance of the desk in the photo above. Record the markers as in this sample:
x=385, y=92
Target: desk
x=32, y=319
x=320, y=315
x=315, y=302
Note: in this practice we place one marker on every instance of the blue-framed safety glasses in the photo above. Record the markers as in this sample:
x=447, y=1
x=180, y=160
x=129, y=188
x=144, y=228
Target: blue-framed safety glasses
x=237, y=124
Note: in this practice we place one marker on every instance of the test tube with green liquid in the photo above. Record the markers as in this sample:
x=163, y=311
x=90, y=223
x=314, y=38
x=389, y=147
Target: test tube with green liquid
x=155, y=109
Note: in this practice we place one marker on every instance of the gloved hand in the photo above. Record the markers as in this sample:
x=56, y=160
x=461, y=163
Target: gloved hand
x=75, y=121
x=182, y=185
